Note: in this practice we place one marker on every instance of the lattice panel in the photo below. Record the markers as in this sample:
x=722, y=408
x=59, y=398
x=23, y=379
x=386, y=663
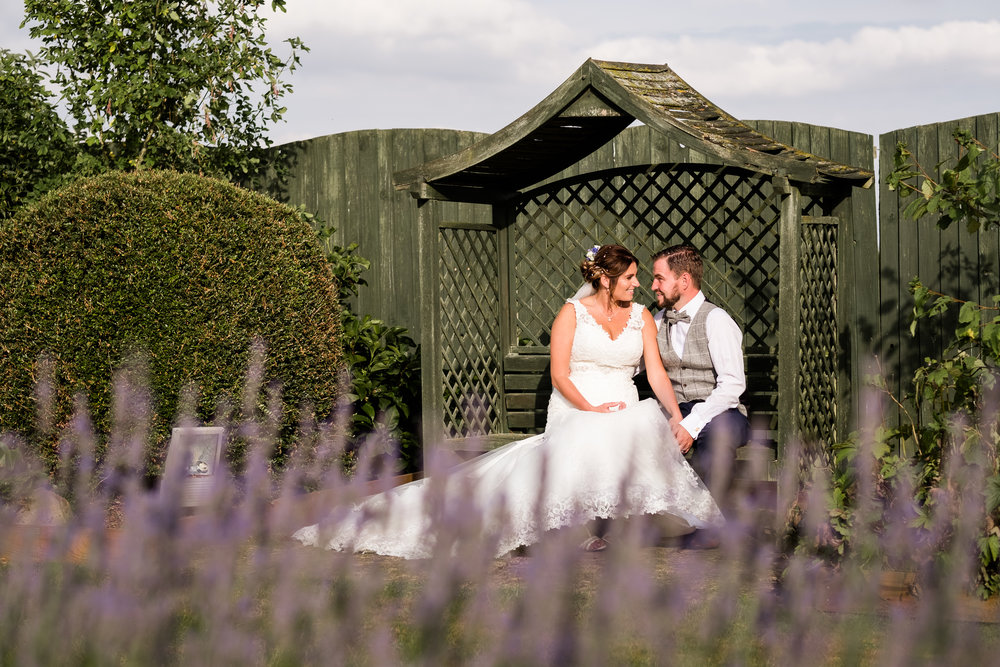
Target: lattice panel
x=819, y=347
x=470, y=324
x=731, y=214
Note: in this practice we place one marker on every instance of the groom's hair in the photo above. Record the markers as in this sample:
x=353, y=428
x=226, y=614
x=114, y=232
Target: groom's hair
x=683, y=259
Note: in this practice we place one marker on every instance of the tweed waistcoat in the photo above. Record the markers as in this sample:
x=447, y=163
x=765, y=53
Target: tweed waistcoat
x=692, y=375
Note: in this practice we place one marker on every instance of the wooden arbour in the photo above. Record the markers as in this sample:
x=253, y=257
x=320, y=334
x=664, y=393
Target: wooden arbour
x=771, y=221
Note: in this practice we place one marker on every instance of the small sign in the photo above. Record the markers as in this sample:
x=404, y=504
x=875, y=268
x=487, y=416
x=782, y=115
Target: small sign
x=200, y=450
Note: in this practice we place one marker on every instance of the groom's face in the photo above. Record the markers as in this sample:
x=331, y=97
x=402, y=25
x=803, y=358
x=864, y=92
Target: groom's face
x=665, y=286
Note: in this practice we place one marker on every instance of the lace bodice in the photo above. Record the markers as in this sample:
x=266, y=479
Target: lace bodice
x=594, y=350
x=599, y=366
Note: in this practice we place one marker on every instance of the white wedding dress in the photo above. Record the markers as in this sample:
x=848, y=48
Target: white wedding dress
x=594, y=465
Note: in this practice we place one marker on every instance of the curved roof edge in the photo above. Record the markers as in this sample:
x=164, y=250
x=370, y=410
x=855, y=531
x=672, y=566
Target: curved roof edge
x=589, y=109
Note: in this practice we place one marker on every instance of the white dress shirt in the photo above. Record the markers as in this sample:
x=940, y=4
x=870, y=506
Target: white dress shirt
x=725, y=344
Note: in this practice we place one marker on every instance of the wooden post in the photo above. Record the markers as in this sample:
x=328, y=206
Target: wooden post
x=789, y=327
x=432, y=426
x=502, y=220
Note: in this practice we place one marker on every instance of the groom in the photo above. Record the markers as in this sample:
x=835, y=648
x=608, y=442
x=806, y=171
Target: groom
x=702, y=349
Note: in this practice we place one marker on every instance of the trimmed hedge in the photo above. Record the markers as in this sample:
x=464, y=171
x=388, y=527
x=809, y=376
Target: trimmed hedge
x=186, y=270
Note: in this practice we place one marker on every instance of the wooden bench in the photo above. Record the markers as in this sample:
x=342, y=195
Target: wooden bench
x=528, y=385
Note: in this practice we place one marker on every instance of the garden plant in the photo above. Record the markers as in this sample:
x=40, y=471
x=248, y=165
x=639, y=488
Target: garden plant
x=947, y=429
x=190, y=86
x=36, y=147
x=174, y=276
x=228, y=586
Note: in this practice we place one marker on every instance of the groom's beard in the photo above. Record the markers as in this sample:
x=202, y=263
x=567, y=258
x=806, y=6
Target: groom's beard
x=664, y=301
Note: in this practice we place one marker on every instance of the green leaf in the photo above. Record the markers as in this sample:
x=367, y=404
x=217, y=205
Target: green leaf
x=927, y=188
x=992, y=493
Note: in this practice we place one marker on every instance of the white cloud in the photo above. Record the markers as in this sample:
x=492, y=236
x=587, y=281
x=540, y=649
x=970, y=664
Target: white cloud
x=478, y=65
x=500, y=27
x=797, y=67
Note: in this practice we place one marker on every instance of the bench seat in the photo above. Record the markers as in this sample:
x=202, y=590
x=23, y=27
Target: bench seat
x=527, y=386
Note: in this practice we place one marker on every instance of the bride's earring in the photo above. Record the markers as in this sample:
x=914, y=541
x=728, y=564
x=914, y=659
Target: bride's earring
x=606, y=284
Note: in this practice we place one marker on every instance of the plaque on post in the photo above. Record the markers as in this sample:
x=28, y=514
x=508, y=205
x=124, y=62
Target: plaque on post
x=200, y=451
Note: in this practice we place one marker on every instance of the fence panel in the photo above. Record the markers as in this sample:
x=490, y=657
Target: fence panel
x=951, y=261
x=346, y=180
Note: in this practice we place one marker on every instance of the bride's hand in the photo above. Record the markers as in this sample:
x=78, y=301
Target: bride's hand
x=613, y=406
x=681, y=435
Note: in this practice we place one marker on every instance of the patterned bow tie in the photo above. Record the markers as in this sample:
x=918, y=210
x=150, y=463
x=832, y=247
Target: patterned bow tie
x=673, y=317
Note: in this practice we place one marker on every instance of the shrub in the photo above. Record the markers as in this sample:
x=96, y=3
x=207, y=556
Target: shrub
x=181, y=270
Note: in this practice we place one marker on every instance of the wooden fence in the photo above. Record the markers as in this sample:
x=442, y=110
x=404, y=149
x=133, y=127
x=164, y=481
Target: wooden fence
x=951, y=261
x=346, y=179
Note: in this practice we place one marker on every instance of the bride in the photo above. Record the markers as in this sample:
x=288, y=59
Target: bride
x=604, y=453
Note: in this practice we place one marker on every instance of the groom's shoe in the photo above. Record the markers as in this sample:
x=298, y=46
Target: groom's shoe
x=700, y=539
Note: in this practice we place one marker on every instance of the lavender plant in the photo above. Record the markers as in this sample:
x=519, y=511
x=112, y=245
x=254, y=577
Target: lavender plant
x=227, y=585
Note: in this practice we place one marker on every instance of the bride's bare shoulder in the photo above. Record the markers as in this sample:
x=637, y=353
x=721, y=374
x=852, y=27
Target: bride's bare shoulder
x=565, y=321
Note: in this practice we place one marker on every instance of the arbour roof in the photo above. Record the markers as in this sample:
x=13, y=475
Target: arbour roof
x=596, y=103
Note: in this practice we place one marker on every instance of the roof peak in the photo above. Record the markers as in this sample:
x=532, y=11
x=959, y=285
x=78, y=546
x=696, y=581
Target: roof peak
x=590, y=108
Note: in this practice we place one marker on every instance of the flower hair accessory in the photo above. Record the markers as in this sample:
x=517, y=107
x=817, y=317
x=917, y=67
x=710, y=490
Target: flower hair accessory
x=592, y=253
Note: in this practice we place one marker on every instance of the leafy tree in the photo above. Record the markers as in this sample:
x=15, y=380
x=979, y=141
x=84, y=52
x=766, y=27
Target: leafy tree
x=35, y=144
x=187, y=85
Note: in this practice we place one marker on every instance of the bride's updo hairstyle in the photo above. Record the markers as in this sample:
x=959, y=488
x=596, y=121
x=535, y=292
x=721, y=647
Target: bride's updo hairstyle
x=609, y=260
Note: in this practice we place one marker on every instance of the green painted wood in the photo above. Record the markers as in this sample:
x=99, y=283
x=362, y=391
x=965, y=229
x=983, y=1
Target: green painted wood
x=954, y=261
x=847, y=317
x=958, y=245
x=346, y=179
x=527, y=422
x=540, y=142
x=819, y=140
x=859, y=301
x=532, y=401
x=514, y=382
x=887, y=353
x=397, y=238
x=988, y=132
x=633, y=147
x=363, y=204
x=927, y=255
x=432, y=399
x=526, y=363
x=789, y=317
x=910, y=241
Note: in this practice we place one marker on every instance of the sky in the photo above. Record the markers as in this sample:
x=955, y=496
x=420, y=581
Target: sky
x=864, y=65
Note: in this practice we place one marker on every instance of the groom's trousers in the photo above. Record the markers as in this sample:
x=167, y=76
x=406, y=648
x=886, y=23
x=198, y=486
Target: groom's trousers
x=713, y=453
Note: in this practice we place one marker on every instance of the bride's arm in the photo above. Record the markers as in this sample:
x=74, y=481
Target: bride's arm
x=659, y=382
x=563, y=330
